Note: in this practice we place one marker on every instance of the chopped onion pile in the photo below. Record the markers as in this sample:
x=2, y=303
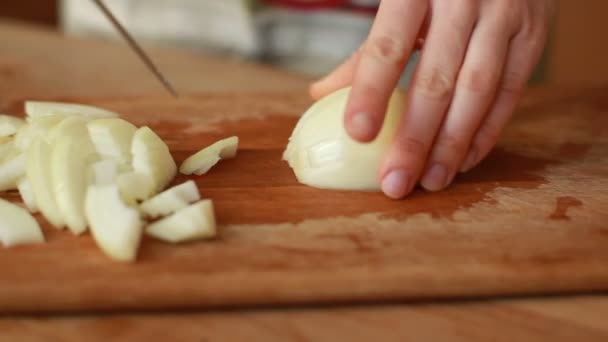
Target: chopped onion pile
x=84, y=168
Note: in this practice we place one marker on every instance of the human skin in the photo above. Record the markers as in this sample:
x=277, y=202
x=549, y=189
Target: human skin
x=475, y=61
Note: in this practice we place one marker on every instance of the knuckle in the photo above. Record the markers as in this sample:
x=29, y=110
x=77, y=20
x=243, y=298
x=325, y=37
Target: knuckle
x=459, y=6
x=530, y=34
x=487, y=136
x=533, y=25
x=469, y=9
x=512, y=83
x=411, y=146
x=451, y=145
x=435, y=84
x=478, y=81
x=507, y=14
x=470, y=4
x=387, y=49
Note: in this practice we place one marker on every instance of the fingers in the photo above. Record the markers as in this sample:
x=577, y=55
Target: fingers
x=430, y=94
x=524, y=54
x=475, y=89
x=339, y=78
x=342, y=76
x=381, y=62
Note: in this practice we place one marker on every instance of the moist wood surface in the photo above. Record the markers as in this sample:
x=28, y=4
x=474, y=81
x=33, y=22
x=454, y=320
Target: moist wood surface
x=531, y=219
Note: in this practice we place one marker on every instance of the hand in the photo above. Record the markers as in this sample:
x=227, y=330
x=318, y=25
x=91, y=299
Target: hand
x=477, y=58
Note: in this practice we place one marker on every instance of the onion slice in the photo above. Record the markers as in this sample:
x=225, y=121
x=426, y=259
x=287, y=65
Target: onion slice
x=116, y=227
x=112, y=138
x=201, y=162
x=69, y=162
x=11, y=170
x=36, y=109
x=27, y=195
x=194, y=222
x=151, y=156
x=39, y=175
x=7, y=149
x=17, y=226
x=171, y=200
x=135, y=186
x=9, y=125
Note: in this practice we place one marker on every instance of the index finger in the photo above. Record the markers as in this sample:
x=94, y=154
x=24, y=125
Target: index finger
x=381, y=63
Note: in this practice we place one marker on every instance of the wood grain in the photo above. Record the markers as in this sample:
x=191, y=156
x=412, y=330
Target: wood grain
x=495, y=232
x=25, y=70
x=557, y=319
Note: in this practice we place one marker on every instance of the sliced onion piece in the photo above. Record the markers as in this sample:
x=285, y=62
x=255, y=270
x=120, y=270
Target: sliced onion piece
x=103, y=172
x=152, y=156
x=7, y=149
x=36, y=109
x=135, y=186
x=171, y=200
x=37, y=128
x=194, y=222
x=11, y=170
x=27, y=195
x=112, y=138
x=9, y=125
x=17, y=226
x=69, y=162
x=116, y=227
x=323, y=155
x=76, y=126
x=39, y=175
x=201, y=162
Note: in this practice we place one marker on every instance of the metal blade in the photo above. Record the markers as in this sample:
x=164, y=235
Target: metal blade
x=138, y=50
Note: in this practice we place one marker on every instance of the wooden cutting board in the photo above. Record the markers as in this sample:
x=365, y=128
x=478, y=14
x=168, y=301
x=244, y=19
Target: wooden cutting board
x=532, y=219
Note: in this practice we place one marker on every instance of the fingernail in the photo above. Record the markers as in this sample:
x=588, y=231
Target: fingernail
x=361, y=126
x=469, y=162
x=436, y=178
x=395, y=184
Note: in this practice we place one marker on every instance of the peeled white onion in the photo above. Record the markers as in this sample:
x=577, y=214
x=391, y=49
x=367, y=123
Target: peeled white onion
x=322, y=154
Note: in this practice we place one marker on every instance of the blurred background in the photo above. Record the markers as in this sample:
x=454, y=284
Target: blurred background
x=304, y=36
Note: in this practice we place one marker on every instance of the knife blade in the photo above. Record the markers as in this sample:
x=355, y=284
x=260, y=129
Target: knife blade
x=136, y=47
